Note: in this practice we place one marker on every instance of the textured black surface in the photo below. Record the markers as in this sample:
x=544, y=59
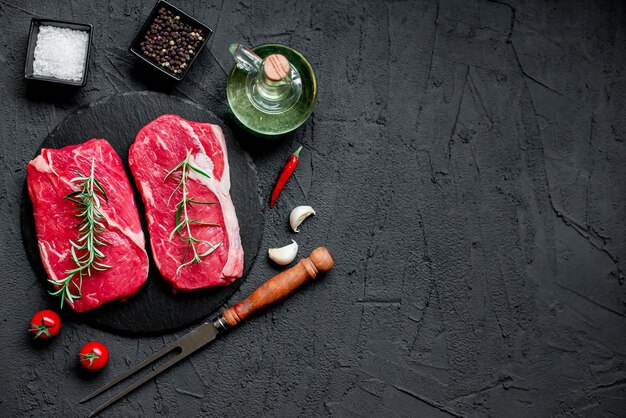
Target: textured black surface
x=466, y=159
x=155, y=308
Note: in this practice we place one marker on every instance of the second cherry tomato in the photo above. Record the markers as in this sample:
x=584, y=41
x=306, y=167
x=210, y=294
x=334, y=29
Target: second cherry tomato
x=45, y=324
x=94, y=356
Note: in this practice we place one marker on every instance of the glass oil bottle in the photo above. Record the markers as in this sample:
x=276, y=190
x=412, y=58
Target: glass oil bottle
x=272, y=89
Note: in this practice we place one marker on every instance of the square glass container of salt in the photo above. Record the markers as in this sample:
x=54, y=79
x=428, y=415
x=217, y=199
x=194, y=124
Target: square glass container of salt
x=58, y=51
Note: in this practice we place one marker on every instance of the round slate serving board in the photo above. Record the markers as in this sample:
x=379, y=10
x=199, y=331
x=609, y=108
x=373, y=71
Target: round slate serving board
x=154, y=309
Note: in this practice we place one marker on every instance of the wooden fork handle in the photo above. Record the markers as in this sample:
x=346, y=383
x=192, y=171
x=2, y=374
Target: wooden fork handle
x=319, y=261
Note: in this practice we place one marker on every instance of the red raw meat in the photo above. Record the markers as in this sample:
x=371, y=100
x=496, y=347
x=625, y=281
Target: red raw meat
x=48, y=178
x=159, y=147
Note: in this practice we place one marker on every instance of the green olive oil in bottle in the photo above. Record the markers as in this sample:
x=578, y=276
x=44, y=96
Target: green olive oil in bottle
x=272, y=89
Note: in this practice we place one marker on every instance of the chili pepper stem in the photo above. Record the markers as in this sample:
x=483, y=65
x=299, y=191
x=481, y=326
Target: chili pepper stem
x=296, y=153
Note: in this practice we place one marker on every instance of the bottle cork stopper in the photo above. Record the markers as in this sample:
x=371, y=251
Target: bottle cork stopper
x=276, y=67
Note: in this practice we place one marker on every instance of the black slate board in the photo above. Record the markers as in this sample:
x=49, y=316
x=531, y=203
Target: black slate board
x=155, y=309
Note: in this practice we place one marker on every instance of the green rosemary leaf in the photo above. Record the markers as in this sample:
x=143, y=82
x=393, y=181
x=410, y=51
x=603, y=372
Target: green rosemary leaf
x=173, y=170
x=213, y=248
x=197, y=222
x=173, y=193
x=78, y=225
x=188, y=263
x=99, y=186
x=179, y=212
x=197, y=170
x=181, y=267
x=184, y=256
x=99, y=242
x=72, y=194
x=176, y=229
x=73, y=251
x=56, y=293
x=75, y=270
x=69, y=294
x=201, y=202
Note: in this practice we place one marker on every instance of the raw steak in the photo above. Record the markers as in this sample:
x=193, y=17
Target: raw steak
x=48, y=178
x=158, y=148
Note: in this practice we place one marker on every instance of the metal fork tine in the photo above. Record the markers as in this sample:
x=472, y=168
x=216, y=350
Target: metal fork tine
x=187, y=344
x=139, y=382
x=164, y=351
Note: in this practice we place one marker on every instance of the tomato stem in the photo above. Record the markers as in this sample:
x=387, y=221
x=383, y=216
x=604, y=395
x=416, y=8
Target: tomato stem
x=91, y=356
x=41, y=329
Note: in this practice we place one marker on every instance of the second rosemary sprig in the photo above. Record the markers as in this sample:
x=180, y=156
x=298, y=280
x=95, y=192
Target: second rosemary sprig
x=183, y=221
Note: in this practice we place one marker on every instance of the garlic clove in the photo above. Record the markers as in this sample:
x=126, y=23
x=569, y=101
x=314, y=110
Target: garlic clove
x=298, y=215
x=284, y=255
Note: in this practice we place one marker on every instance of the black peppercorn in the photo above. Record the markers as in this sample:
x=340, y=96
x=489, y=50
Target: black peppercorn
x=171, y=42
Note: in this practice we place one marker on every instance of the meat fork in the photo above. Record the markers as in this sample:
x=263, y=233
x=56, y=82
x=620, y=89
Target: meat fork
x=319, y=261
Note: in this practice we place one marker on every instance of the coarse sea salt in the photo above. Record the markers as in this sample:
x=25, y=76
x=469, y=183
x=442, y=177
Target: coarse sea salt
x=60, y=53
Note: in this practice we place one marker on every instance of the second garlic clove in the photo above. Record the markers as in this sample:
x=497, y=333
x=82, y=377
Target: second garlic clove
x=298, y=215
x=284, y=255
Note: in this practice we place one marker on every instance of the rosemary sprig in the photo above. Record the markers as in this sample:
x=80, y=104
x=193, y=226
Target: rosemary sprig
x=84, y=251
x=183, y=221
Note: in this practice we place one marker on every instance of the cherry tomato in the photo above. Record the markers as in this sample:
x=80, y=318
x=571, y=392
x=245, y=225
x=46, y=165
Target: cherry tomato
x=94, y=356
x=45, y=324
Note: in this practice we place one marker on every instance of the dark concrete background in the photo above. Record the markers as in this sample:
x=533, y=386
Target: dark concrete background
x=467, y=162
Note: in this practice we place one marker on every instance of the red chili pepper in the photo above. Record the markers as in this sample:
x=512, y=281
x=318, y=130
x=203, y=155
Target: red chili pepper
x=285, y=173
